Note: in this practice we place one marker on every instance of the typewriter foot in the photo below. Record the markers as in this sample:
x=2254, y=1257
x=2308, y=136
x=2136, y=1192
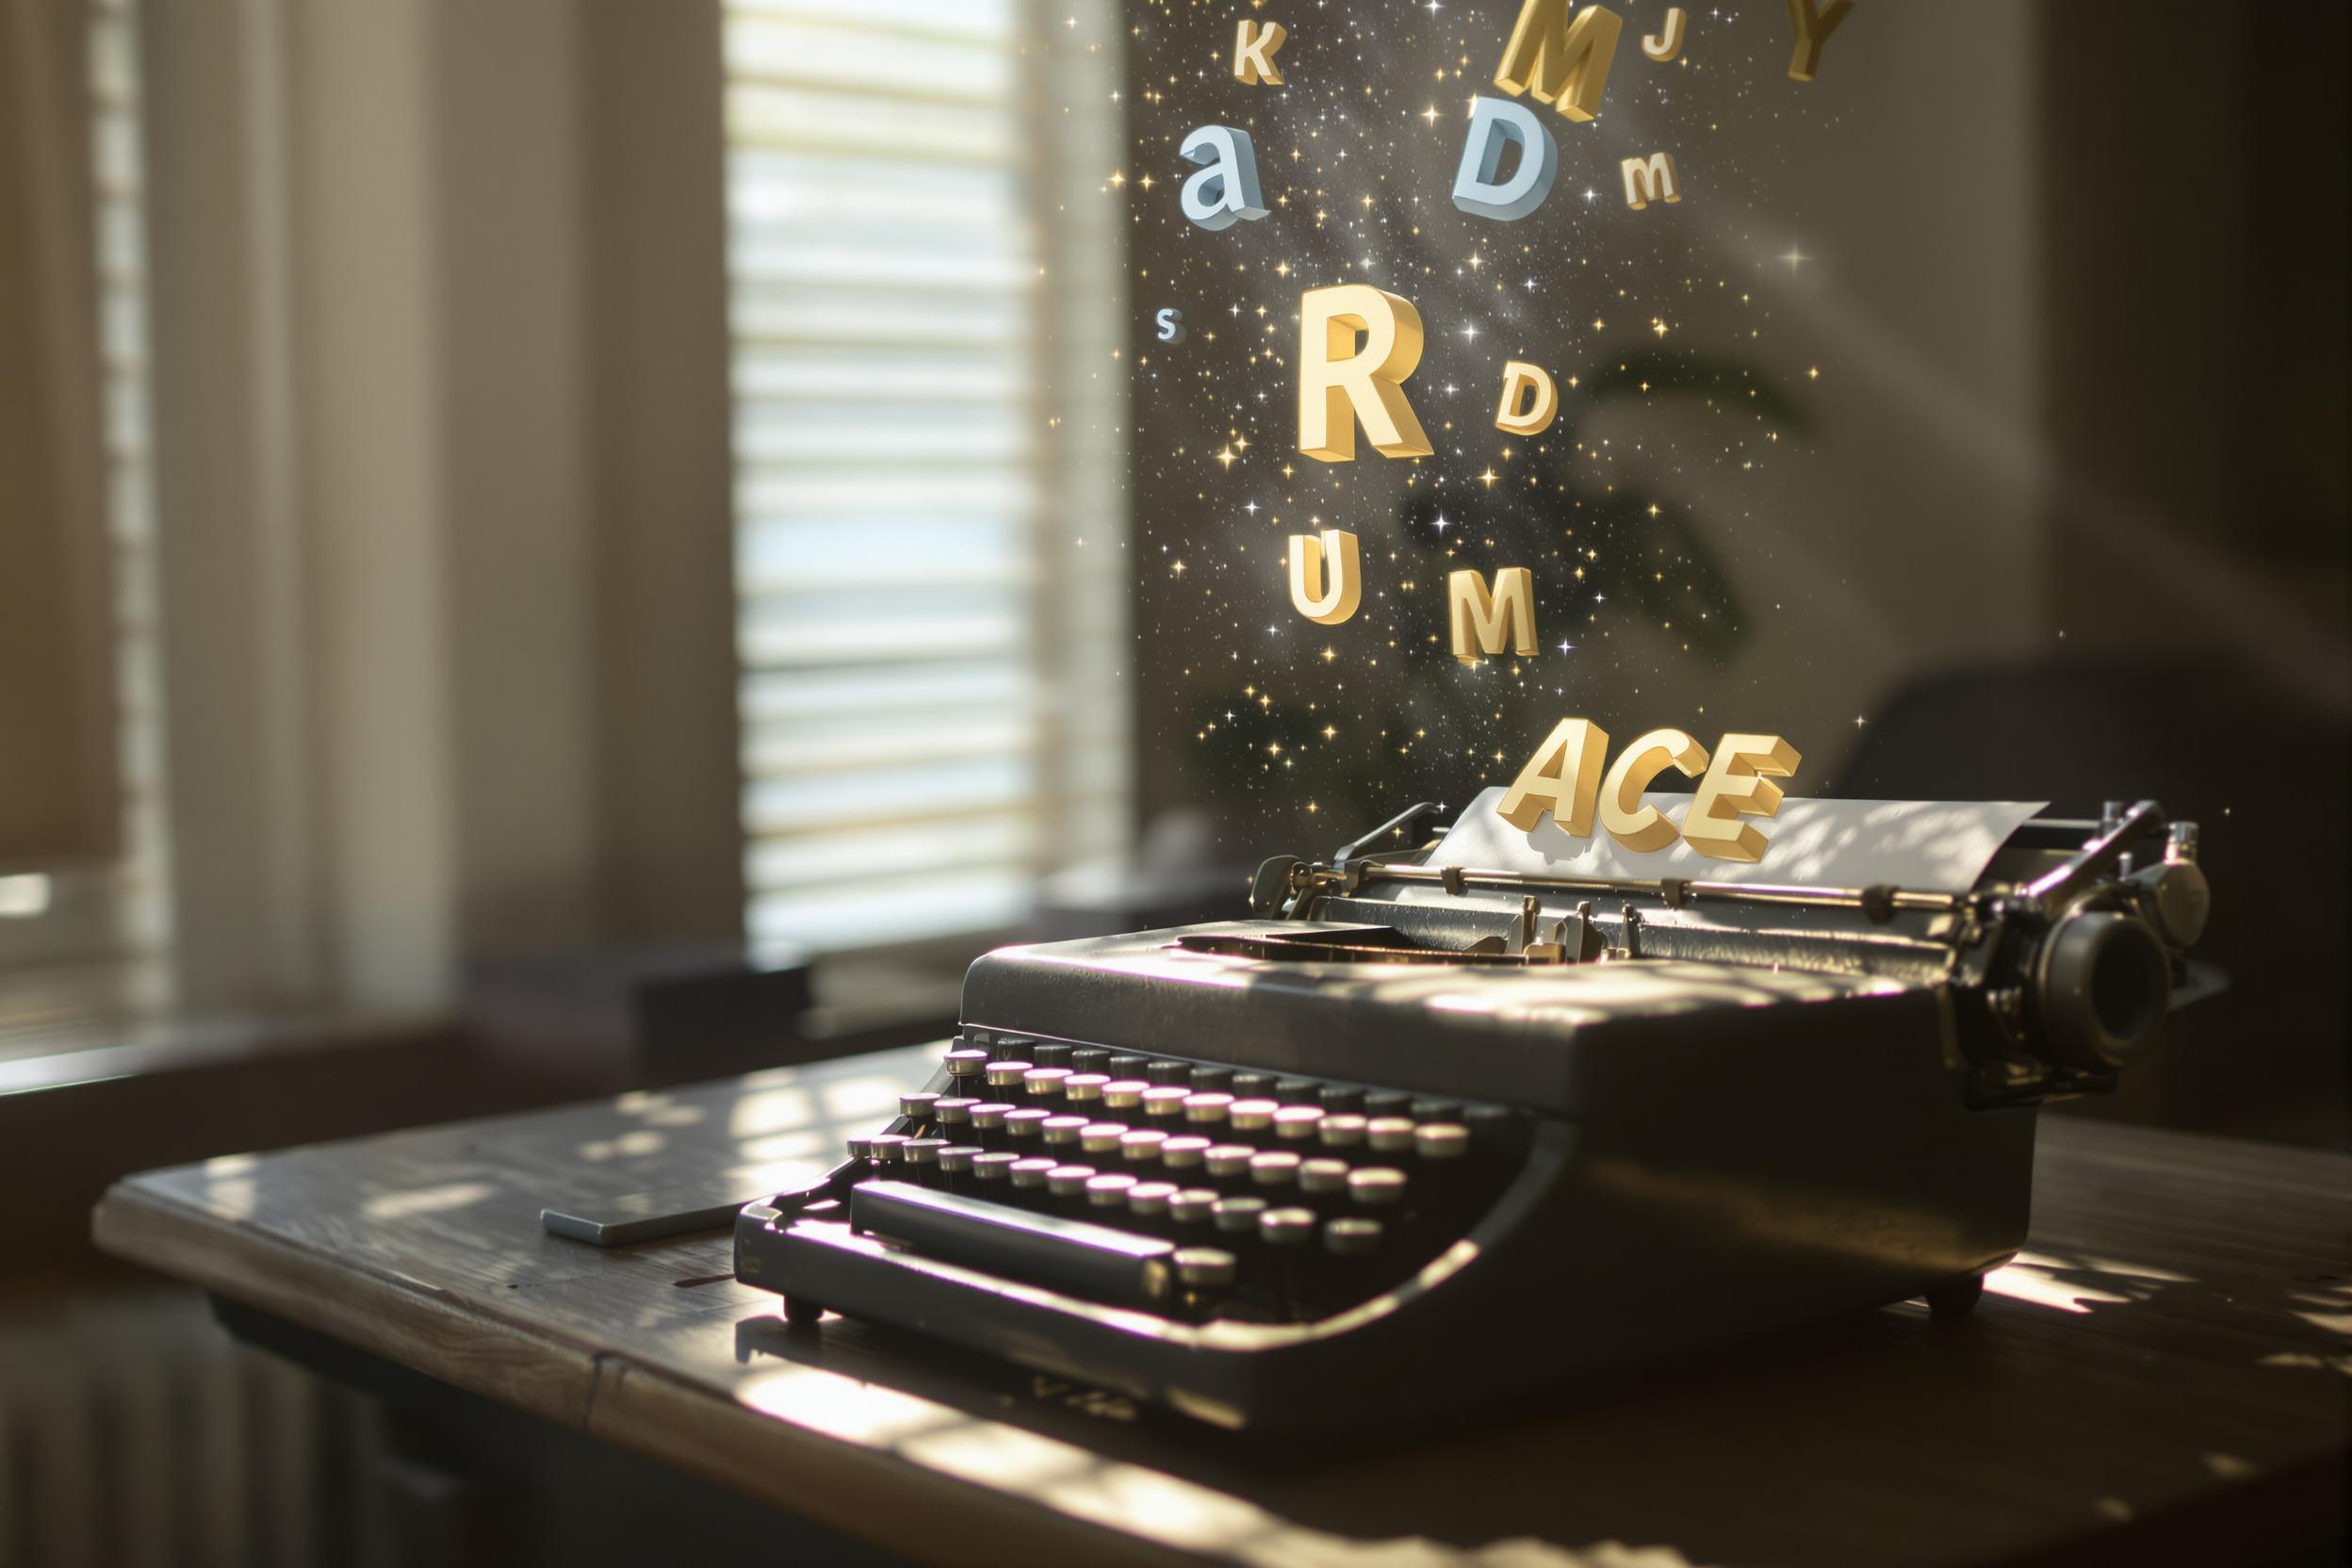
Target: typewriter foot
x=799, y=1310
x=1957, y=1299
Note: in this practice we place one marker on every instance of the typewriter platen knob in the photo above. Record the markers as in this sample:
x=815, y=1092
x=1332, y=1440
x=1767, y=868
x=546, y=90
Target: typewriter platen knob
x=2176, y=898
x=2103, y=983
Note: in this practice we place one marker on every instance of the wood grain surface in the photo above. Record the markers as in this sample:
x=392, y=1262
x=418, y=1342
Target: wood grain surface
x=2162, y=1376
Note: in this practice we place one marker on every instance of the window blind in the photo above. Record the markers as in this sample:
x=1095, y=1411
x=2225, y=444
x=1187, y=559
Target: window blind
x=97, y=936
x=925, y=735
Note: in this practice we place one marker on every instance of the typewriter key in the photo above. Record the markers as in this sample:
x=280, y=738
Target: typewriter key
x=887, y=1148
x=1108, y=1195
x=987, y=1122
x=1251, y=1119
x=1005, y=1076
x=1286, y=1227
x=1294, y=1091
x=1164, y=1073
x=1376, y=1186
x=1084, y=1088
x=1204, y=1268
x=1226, y=1162
x=1192, y=1207
x=1252, y=1086
x=1166, y=1104
x=1212, y=1080
x=1340, y=1131
x=994, y=1170
x=1207, y=1110
x=1441, y=1141
x=1025, y=1125
x=1340, y=1100
x=1102, y=1137
x=1388, y=1135
x=1043, y=1085
x=917, y=1107
x=1062, y=1131
x=1123, y=1094
x=1351, y=1237
x=1237, y=1217
x=1489, y=1123
x=1090, y=1059
x=1273, y=1171
x=1148, y=1200
x=966, y=1064
x=1127, y=1066
x=1183, y=1153
x=1029, y=1174
x=1297, y=1123
x=1142, y=1146
x=1050, y=1056
x=1321, y=1177
x=922, y=1158
x=956, y=1163
x=1068, y=1185
x=953, y=1110
x=1437, y=1110
x=861, y=1147
x=1386, y=1102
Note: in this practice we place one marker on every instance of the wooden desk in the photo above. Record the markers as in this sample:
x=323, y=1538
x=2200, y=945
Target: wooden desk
x=2162, y=1377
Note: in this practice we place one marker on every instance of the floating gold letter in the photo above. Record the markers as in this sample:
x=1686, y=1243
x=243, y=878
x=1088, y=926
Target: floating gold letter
x=1562, y=778
x=1733, y=789
x=1518, y=376
x=1653, y=180
x=1663, y=47
x=1489, y=623
x=1339, y=384
x=1813, y=28
x=1564, y=64
x=1325, y=584
x=1253, y=60
x=1631, y=822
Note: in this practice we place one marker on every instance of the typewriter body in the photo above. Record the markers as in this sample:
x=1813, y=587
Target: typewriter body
x=1422, y=1134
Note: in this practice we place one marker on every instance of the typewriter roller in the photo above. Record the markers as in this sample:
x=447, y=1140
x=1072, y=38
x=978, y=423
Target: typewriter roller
x=1425, y=1134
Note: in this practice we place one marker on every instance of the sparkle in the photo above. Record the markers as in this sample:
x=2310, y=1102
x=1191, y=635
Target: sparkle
x=1429, y=115
x=1489, y=477
x=1795, y=258
x=1226, y=457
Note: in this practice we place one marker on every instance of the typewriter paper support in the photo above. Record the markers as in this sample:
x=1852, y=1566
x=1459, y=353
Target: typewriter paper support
x=1425, y=1129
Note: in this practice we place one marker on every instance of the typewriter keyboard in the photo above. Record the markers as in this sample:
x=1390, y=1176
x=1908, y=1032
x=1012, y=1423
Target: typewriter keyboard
x=1182, y=1187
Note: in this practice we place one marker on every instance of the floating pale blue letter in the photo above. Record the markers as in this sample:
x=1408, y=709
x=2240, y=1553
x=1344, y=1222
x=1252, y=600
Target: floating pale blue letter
x=1228, y=187
x=1494, y=122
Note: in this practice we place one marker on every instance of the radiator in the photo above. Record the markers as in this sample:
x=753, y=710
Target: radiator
x=135, y=1431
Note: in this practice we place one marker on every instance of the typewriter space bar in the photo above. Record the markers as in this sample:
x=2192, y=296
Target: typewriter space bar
x=1093, y=1261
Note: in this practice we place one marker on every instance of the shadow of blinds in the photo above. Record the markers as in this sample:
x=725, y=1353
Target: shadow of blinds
x=927, y=733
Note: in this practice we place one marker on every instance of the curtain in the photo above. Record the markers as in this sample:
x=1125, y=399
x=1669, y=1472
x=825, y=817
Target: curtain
x=58, y=784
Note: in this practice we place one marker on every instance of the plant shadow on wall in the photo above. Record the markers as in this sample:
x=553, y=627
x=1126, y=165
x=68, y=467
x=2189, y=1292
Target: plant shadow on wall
x=1606, y=556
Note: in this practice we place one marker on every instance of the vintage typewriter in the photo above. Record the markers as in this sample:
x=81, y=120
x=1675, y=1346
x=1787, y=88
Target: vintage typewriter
x=1425, y=1132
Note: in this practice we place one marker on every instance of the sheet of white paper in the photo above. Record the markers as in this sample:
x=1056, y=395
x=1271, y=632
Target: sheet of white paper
x=1931, y=845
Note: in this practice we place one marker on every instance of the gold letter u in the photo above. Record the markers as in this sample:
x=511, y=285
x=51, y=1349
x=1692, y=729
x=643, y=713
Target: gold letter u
x=1325, y=584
